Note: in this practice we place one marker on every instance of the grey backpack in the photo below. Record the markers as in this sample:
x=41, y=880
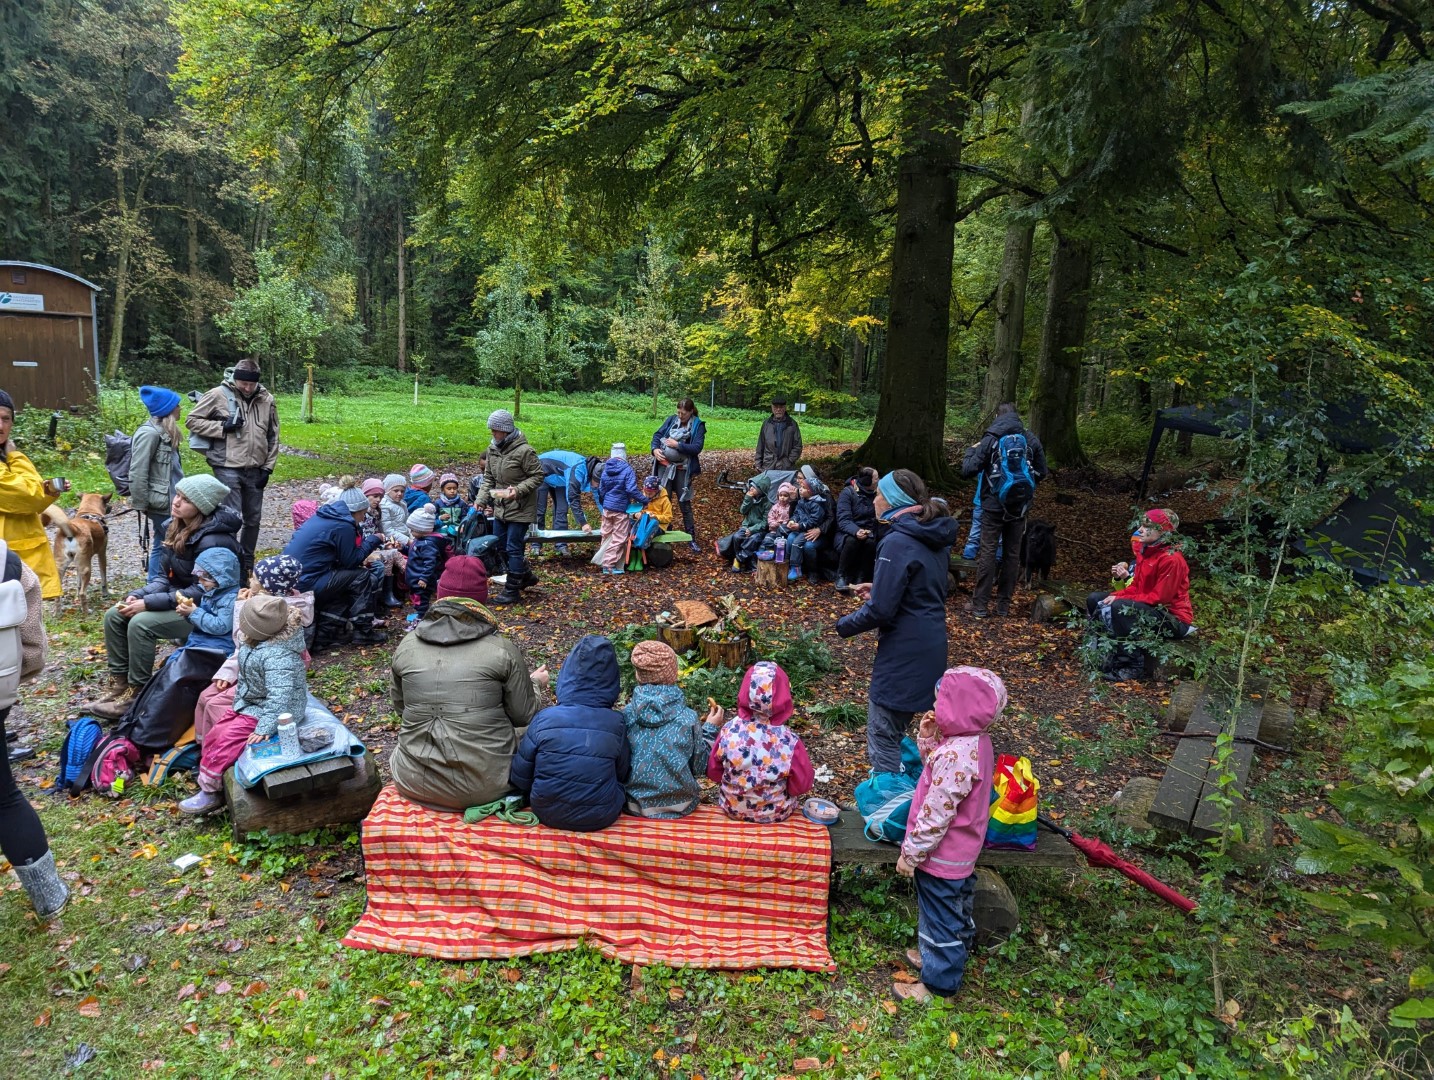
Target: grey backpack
x=200, y=442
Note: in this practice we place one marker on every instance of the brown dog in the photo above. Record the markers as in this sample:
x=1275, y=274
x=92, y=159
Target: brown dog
x=78, y=541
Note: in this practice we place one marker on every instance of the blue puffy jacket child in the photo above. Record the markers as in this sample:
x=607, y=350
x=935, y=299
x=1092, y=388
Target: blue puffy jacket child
x=617, y=489
x=212, y=615
x=427, y=552
x=574, y=760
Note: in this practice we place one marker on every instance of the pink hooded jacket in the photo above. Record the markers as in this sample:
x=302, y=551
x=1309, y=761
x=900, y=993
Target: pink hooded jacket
x=760, y=765
x=952, y=803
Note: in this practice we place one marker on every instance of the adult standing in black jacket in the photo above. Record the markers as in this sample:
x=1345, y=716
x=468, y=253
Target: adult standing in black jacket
x=1003, y=519
x=856, y=529
x=906, y=606
x=779, y=445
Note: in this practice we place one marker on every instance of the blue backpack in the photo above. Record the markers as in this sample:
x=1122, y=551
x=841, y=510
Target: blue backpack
x=77, y=754
x=1011, y=476
x=884, y=799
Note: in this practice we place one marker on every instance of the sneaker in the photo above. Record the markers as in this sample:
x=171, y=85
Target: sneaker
x=561, y=549
x=1003, y=609
x=911, y=991
x=695, y=547
x=20, y=753
x=980, y=613
x=202, y=803
x=616, y=571
x=793, y=574
x=841, y=584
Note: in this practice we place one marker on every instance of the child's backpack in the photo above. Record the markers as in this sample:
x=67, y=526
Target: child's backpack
x=884, y=799
x=115, y=762
x=1011, y=476
x=1014, y=803
x=489, y=552
x=78, y=753
x=182, y=757
x=302, y=510
x=117, y=450
x=471, y=529
x=13, y=611
x=645, y=530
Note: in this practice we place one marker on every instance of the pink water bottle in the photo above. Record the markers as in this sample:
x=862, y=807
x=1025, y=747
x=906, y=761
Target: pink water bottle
x=781, y=550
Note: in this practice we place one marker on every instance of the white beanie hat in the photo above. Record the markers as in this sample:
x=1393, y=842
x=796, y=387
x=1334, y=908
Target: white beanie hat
x=619, y=450
x=424, y=519
x=393, y=480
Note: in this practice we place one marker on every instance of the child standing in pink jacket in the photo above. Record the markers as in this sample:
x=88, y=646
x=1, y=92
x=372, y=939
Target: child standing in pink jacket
x=947, y=826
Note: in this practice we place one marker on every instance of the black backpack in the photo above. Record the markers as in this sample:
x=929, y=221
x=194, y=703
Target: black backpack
x=117, y=450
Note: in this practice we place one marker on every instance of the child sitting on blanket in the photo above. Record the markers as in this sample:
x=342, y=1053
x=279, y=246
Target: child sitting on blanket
x=669, y=745
x=574, y=758
x=427, y=552
x=947, y=824
x=271, y=682
x=760, y=765
x=276, y=575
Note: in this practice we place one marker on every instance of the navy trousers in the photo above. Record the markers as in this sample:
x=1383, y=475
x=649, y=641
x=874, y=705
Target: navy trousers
x=945, y=929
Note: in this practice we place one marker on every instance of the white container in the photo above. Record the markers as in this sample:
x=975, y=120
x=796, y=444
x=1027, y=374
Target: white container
x=289, y=736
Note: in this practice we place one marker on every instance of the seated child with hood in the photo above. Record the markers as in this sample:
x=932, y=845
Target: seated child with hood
x=452, y=507
x=427, y=552
x=809, y=513
x=760, y=765
x=271, y=682
x=659, y=505
x=669, y=744
x=778, y=517
x=212, y=615
x=946, y=827
x=277, y=575
x=741, y=546
x=574, y=758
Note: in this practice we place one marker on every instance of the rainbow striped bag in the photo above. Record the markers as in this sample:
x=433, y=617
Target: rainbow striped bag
x=1014, y=792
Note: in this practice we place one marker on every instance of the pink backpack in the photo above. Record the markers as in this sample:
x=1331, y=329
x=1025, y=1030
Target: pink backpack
x=118, y=757
x=304, y=509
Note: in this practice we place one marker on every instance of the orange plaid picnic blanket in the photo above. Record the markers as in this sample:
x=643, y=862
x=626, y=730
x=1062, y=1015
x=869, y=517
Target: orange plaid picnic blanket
x=704, y=891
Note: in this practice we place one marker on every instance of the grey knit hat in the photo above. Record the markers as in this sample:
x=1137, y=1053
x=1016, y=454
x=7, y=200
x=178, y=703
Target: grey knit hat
x=354, y=499
x=423, y=520
x=393, y=480
x=262, y=617
x=205, y=492
x=501, y=420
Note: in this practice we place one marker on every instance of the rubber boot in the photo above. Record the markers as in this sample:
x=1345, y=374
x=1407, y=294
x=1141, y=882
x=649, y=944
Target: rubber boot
x=43, y=885
x=390, y=595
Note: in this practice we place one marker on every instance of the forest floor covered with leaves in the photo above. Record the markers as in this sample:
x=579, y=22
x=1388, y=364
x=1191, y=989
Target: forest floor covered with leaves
x=237, y=966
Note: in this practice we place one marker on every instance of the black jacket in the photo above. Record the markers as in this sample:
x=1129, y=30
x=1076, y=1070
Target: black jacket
x=221, y=530
x=574, y=761
x=907, y=609
x=981, y=459
x=855, y=510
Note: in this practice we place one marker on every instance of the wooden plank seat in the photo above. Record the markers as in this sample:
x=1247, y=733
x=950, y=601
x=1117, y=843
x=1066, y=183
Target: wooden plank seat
x=304, y=797
x=1186, y=800
x=577, y=536
x=850, y=845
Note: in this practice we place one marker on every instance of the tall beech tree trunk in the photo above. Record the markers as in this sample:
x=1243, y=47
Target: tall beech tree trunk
x=196, y=299
x=911, y=410
x=1004, y=373
x=402, y=297
x=1053, y=405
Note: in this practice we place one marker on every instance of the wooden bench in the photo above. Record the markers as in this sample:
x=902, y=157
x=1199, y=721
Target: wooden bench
x=1186, y=801
x=997, y=913
x=577, y=536
x=304, y=797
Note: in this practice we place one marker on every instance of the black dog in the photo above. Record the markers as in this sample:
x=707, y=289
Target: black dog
x=1038, y=551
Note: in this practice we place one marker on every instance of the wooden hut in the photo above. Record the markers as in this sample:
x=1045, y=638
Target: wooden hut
x=49, y=343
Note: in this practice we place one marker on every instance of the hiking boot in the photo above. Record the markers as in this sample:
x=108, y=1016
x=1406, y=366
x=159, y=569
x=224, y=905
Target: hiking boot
x=508, y=596
x=43, y=885
x=841, y=584
x=202, y=803
x=115, y=685
x=372, y=636
x=113, y=708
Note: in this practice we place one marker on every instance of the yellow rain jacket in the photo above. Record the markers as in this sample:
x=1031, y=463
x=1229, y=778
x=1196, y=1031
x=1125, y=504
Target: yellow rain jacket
x=23, y=497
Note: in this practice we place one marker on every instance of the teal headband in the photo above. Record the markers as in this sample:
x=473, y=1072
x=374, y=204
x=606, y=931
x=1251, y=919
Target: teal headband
x=894, y=494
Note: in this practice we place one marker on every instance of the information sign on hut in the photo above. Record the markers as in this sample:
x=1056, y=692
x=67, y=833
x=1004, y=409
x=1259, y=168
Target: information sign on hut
x=49, y=352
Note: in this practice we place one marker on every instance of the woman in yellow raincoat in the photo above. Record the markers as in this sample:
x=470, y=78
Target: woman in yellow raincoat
x=23, y=498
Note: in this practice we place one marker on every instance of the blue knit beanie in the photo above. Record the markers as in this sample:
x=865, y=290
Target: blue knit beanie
x=159, y=400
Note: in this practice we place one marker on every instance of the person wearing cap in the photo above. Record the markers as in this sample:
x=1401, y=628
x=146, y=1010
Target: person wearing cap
x=668, y=743
x=154, y=464
x=510, y=485
x=464, y=576
x=465, y=696
x=272, y=683
x=420, y=485
x=237, y=426
x=677, y=462
x=23, y=498
x=427, y=552
x=343, y=569
x=1156, y=601
x=617, y=490
x=389, y=554
x=199, y=521
x=566, y=476
x=779, y=444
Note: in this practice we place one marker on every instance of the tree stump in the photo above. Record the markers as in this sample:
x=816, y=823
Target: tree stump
x=1277, y=723
x=1182, y=705
x=1255, y=847
x=680, y=639
x=772, y=574
x=1049, y=607
x=348, y=801
x=727, y=654
x=1135, y=801
x=995, y=910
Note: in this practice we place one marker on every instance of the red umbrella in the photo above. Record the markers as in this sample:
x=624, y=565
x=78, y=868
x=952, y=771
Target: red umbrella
x=1099, y=853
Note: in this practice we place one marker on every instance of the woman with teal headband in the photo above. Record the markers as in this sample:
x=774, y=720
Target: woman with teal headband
x=906, y=605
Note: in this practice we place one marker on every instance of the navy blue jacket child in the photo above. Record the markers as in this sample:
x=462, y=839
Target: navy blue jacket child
x=618, y=487
x=574, y=763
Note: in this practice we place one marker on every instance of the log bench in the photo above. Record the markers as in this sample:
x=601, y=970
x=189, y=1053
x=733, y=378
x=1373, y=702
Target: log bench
x=304, y=797
x=997, y=912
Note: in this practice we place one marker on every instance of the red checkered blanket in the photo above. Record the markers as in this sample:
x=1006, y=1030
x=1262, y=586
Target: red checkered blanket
x=704, y=891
